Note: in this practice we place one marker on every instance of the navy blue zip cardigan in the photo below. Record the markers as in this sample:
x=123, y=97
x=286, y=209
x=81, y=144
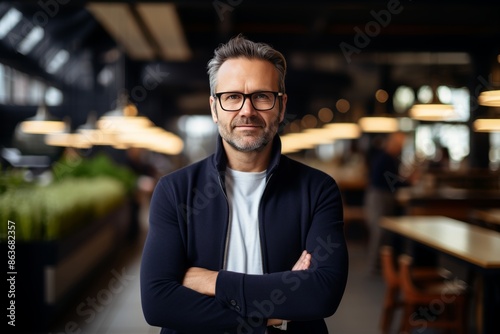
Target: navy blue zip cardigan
x=301, y=208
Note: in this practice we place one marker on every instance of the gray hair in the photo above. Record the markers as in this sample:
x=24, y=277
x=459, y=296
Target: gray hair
x=239, y=46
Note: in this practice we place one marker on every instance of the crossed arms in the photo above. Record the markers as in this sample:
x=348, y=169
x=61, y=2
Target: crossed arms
x=204, y=280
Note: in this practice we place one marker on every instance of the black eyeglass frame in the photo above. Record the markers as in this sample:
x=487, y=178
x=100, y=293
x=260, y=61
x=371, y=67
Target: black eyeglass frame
x=249, y=95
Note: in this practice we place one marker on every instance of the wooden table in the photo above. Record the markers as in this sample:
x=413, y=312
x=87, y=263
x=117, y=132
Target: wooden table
x=477, y=247
x=470, y=243
x=446, y=201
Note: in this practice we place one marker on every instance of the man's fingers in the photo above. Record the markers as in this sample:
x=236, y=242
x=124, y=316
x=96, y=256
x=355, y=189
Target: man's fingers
x=306, y=262
x=297, y=264
x=303, y=262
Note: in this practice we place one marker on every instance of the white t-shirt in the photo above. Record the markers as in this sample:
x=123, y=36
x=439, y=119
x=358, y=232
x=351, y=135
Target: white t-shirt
x=244, y=192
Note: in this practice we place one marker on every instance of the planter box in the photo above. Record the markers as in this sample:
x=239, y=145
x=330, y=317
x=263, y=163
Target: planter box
x=49, y=274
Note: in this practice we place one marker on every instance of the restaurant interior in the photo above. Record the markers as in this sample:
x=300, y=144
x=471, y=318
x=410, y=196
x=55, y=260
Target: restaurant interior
x=99, y=99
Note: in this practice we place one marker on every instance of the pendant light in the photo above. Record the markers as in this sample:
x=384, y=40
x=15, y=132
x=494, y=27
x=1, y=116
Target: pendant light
x=491, y=99
x=487, y=125
x=43, y=122
x=381, y=122
x=435, y=110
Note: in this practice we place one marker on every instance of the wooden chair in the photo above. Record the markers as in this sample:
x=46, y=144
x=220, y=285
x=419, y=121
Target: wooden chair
x=392, y=299
x=436, y=305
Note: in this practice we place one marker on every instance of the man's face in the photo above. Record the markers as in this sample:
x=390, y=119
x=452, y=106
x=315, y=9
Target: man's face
x=247, y=129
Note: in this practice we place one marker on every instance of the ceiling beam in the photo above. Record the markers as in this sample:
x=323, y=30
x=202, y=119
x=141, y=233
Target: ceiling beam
x=119, y=21
x=164, y=24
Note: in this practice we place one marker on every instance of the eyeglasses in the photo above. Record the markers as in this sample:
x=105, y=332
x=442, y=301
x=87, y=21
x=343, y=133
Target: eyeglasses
x=234, y=101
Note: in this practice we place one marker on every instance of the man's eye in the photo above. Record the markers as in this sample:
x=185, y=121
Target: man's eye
x=233, y=97
x=262, y=96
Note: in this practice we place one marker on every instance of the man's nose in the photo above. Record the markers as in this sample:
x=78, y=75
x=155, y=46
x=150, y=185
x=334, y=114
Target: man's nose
x=247, y=108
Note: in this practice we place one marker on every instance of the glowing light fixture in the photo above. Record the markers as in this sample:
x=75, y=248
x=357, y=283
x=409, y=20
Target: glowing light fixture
x=490, y=98
x=124, y=118
x=343, y=130
x=76, y=140
x=433, y=112
x=431, y=107
x=310, y=138
x=294, y=142
x=124, y=127
x=486, y=125
x=378, y=124
x=42, y=123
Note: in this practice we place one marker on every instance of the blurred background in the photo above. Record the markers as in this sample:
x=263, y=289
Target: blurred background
x=99, y=99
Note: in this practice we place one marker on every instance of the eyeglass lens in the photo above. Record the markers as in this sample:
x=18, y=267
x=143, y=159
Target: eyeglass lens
x=260, y=100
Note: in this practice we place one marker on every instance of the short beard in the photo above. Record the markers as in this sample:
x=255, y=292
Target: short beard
x=256, y=146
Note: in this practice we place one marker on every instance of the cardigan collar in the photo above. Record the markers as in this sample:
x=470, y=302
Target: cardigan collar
x=220, y=157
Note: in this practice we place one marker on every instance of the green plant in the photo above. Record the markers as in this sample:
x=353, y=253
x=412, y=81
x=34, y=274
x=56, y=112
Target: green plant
x=12, y=178
x=57, y=210
x=99, y=165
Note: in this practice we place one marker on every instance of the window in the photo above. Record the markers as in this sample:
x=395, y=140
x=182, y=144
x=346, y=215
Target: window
x=32, y=39
x=455, y=137
x=4, y=84
x=495, y=150
x=17, y=88
x=9, y=21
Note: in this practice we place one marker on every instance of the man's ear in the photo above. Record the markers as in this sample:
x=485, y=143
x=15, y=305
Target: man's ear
x=284, y=98
x=213, y=109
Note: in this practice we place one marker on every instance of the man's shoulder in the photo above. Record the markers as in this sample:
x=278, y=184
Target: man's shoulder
x=302, y=170
x=200, y=167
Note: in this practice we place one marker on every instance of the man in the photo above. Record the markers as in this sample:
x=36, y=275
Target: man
x=380, y=198
x=246, y=240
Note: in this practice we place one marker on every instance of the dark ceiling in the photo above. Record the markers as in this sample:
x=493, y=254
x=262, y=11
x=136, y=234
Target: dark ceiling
x=334, y=48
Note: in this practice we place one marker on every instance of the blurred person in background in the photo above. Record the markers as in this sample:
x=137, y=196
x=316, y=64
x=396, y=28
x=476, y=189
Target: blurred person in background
x=246, y=240
x=441, y=159
x=384, y=179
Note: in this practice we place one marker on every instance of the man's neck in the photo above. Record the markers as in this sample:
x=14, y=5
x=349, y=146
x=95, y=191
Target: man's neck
x=254, y=161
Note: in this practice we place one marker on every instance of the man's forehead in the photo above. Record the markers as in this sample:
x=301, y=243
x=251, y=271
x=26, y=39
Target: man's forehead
x=240, y=61
x=247, y=69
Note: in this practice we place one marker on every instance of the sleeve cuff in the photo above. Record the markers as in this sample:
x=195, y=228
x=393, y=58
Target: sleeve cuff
x=229, y=291
x=283, y=325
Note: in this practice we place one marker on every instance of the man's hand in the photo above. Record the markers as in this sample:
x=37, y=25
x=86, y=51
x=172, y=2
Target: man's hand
x=201, y=280
x=303, y=263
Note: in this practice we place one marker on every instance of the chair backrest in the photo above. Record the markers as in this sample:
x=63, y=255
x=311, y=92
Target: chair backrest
x=407, y=285
x=389, y=271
